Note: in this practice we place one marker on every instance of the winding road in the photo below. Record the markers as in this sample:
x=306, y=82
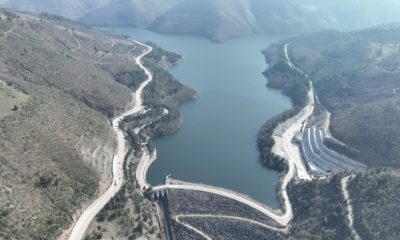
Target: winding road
x=289, y=151
x=89, y=214
x=283, y=135
x=187, y=225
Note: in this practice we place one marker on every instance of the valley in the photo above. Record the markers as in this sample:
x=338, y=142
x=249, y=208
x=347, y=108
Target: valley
x=104, y=134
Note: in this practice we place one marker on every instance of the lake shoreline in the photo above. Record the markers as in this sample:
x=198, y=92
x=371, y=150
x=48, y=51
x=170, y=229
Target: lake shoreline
x=245, y=107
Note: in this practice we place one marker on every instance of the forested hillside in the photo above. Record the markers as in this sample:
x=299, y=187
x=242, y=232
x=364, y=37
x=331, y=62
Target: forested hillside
x=222, y=19
x=356, y=78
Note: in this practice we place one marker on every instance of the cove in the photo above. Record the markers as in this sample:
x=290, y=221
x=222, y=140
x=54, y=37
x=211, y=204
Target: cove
x=216, y=143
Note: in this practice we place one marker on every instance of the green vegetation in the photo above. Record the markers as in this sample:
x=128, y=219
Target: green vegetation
x=132, y=79
x=162, y=57
x=293, y=85
x=46, y=179
x=221, y=19
x=129, y=214
x=375, y=197
x=319, y=210
x=129, y=211
x=164, y=89
x=266, y=142
x=355, y=76
x=163, y=93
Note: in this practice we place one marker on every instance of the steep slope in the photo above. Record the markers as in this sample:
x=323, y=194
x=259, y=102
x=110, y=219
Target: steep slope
x=217, y=20
x=57, y=144
x=60, y=83
x=220, y=19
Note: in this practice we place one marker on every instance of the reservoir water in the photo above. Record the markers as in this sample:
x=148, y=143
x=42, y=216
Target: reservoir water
x=216, y=143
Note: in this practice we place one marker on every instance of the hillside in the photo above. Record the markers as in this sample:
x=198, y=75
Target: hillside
x=72, y=9
x=139, y=13
x=60, y=84
x=222, y=19
x=356, y=78
x=322, y=214
x=375, y=196
x=355, y=75
x=217, y=20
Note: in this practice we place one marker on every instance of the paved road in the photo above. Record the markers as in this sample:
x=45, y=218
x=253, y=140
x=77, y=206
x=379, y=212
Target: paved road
x=88, y=215
x=290, y=153
x=283, y=135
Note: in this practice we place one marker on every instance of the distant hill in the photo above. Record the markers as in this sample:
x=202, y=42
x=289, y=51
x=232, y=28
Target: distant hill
x=139, y=13
x=221, y=19
x=214, y=19
x=72, y=9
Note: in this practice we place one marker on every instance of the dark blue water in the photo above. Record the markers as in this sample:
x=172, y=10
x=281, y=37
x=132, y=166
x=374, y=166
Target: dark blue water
x=216, y=144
